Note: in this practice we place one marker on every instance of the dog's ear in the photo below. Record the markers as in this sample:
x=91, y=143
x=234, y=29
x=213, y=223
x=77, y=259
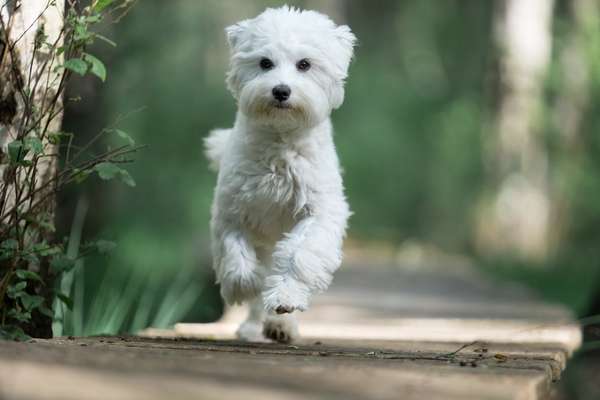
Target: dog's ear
x=236, y=33
x=344, y=51
x=347, y=41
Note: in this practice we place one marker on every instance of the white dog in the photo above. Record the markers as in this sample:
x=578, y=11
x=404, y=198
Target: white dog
x=279, y=212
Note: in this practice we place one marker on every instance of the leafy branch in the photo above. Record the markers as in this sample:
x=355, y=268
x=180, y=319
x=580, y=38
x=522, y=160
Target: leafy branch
x=30, y=174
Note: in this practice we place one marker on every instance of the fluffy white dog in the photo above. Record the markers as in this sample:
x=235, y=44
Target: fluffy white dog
x=279, y=213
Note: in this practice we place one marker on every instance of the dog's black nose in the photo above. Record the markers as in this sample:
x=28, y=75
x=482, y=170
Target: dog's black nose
x=282, y=92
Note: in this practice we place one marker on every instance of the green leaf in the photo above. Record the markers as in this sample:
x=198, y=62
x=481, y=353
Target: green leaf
x=46, y=222
x=125, y=135
x=16, y=152
x=31, y=301
x=35, y=144
x=11, y=332
x=80, y=175
x=61, y=263
x=96, y=66
x=46, y=311
x=65, y=299
x=6, y=255
x=40, y=38
x=25, y=274
x=19, y=315
x=55, y=138
x=16, y=290
x=14, y=295
x=81, y=32
x=44, y=250
x=105, y=246
x=107, y=170
x=31, y=258
x=100, y=5
x=9, y=249
x=127, y=179
x=18, y=286
x=92, y=19
x=10, y=244
x=76, y=65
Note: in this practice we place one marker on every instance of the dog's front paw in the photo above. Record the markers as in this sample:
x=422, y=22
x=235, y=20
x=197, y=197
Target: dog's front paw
x=239, y=286
x=284, y=294
x=281, y=328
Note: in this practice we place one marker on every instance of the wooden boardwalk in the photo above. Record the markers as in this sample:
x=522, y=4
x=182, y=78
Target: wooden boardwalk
x=382, y=333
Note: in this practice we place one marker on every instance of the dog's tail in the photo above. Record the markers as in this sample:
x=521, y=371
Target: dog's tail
x=214, y=146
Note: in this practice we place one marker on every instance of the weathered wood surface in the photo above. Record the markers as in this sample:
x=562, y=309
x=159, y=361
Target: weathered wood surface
x=385, y=302
x=464, y=362
x=136, y=368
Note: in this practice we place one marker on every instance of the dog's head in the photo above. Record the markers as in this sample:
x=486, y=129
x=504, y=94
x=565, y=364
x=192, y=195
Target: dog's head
x=288, y=66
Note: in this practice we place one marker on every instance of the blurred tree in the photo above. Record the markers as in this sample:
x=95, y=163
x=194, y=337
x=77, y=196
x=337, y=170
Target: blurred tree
x=336, y=9
x=576, y=100
x=28, y=88
x=515, y=210
x=412, y=118
x=22, y=62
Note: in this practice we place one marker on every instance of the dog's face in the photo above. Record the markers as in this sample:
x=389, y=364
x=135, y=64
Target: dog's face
x=288, y=66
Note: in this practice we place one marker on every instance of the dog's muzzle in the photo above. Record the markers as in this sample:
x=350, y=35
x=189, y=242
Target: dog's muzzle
x=281, y=93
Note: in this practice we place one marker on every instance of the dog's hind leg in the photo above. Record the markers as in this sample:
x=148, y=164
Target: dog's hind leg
x=251, y=329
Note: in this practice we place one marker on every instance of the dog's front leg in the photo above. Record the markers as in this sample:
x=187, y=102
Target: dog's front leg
x=236, y=266
x=304, y=261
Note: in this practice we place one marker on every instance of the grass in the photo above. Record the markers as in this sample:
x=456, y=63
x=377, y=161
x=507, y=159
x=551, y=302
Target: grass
x=112, y=295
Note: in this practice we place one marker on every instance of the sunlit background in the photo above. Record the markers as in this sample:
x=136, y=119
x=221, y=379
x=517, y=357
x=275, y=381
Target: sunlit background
x=455, y=137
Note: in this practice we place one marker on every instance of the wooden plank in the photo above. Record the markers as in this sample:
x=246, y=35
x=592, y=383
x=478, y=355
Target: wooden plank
x=153, y=368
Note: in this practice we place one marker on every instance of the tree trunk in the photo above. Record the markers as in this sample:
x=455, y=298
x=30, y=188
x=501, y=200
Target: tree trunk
x=30, y=106
x=573, y=104
x=514, y=214
x=27, y=69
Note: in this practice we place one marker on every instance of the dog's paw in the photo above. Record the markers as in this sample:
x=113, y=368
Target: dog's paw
x=281, y=328
x=285, y=295
x=251, y=331
x=237, y=287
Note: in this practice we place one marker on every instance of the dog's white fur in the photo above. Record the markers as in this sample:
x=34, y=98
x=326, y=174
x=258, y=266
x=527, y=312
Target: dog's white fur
x=279, y=213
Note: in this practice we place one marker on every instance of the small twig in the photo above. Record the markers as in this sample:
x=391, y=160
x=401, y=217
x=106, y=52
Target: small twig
x=451, y=355
x=119, y=120
x=126, y=6
x=69, y=174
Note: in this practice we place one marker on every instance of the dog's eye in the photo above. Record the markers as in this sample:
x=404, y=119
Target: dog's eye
x=303, y=65
x=266, y=64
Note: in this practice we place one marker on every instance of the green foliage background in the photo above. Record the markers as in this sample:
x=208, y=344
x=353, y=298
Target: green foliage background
x=418, y=106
